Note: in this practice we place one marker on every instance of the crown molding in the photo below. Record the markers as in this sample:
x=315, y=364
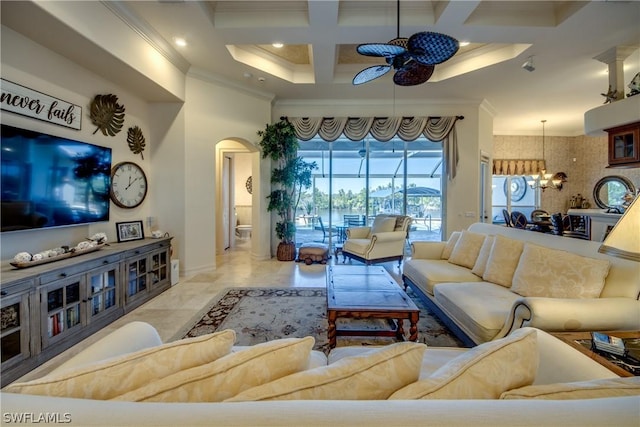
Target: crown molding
x=148, y=33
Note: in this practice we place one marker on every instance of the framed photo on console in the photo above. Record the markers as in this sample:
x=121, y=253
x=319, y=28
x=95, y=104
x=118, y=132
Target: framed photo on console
x=130, y=230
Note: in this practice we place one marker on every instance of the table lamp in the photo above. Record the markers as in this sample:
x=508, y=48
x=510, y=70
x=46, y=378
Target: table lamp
x=624, y=240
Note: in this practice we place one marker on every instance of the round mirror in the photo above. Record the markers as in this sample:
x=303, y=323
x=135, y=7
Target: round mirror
x=610, y=190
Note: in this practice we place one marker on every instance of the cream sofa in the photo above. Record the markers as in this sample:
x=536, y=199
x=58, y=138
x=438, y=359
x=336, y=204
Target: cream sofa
x=483, y=292
x=582, y=392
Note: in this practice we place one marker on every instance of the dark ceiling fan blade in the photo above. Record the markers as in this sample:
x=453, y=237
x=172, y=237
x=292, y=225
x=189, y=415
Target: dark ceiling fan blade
x=432, y=48
x=413, y=73
x=371, y=73
x=380, y=49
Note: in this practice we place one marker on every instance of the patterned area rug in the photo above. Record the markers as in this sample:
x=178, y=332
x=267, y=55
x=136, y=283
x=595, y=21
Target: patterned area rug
x=263, y=314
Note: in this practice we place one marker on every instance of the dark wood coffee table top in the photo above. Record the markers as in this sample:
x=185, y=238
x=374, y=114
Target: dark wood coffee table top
x=574, y=338
x=368, y=292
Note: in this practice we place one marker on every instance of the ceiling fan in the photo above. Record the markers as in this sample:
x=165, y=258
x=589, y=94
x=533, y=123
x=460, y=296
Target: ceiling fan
x=413, y=58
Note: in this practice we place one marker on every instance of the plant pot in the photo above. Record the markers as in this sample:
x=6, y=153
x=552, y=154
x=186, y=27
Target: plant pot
x=286, y=251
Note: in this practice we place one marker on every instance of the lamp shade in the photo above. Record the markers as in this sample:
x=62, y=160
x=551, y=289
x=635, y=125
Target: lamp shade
x=624, y=240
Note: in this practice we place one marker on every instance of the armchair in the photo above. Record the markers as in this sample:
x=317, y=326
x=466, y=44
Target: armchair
x=383, y=241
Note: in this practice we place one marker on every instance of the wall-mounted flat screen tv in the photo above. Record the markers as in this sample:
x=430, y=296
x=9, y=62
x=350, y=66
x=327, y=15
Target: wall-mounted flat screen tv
x=48, y=181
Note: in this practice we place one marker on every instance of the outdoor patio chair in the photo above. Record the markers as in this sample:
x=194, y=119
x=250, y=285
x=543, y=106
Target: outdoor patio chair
x=383, y=241
x=320, y=227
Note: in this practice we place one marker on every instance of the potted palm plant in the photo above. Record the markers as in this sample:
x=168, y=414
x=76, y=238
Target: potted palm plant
x=290, y=176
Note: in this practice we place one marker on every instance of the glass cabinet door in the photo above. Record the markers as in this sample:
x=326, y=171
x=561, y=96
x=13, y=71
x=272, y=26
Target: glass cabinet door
x=624, y=145
x=14, y=329
x=159, y=267
x=136, y=277
x=62, y=308
x=103, y=295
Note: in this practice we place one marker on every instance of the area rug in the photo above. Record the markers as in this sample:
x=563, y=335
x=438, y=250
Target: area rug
x=263, y=314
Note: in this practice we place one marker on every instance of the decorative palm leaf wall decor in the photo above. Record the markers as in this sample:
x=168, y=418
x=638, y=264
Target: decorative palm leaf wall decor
x=107, y=114
x=136, y=141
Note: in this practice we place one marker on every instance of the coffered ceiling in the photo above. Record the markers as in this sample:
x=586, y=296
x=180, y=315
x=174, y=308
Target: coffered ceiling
x=232, y=40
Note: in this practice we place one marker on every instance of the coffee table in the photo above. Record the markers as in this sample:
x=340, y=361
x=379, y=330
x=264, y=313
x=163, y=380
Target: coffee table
x=368, y=292
x=581, y=341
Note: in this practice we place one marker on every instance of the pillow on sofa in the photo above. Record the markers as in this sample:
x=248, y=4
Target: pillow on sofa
x=483, y=256
x=451, y=243
x=229, y=375
x=370, y=376
x=110, y=378
x=545, y=272
x=466, y=250
x=503, y=260
x=484, y=372
x=383, y=225
x=593, y=389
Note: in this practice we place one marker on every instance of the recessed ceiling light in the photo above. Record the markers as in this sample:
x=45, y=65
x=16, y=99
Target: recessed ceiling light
x=464, y=43
x=179, y=41
x=277, y=45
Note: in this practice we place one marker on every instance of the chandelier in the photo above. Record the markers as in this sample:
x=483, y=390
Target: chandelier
x=544, y=180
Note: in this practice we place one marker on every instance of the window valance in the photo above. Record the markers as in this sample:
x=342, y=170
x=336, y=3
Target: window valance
x=384, y=129
x=518, y=166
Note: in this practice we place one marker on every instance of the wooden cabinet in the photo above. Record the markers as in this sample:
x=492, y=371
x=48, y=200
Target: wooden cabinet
x=146, y=273
x=624, y=146
x=48, y=308
x=72, y=303
x=15, y=320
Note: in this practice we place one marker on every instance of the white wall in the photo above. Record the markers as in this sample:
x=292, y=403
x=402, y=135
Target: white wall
x=47, y=72
x=179, y=159
x=242, y=171
x=216, y=113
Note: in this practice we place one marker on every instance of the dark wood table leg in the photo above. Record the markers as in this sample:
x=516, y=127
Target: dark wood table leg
x=331, y=331
x=400, y=329
x=413, y=330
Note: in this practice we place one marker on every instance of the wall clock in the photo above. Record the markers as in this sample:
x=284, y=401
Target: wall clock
x=128, y=185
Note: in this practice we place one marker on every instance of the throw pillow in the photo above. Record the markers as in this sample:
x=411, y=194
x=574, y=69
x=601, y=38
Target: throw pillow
x=229, y=375
x=466, y=250
x=594, y=389
x=503, y=261
x=370, y=376
x=484, y=372
x=384, y=225
x=545, y=272
x=481, y=262
x=113, y=377
x=451, y=243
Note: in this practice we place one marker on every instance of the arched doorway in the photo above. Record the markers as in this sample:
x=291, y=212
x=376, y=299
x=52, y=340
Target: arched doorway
x=238, y=215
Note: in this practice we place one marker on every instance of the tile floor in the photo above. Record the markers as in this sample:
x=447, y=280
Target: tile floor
x=172, y=309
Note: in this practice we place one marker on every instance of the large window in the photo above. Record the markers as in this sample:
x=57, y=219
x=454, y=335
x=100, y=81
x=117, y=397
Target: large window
x=513, y=194
x=355, y=181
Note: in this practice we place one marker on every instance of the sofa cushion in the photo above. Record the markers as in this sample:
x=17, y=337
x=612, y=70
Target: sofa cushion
x=593, y=389
x=426, y=273
x=373, y=375
x=481, y=307
x=356, y=246
x=383, y=225
x=481, y=262
x=545, y=272
x=451, y=243
x=466, y=250
x=484, y=372
x=229, y=375
x=121, y=374
x=503, y=260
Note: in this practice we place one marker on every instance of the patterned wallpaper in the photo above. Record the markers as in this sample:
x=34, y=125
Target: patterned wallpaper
x=582, y=158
